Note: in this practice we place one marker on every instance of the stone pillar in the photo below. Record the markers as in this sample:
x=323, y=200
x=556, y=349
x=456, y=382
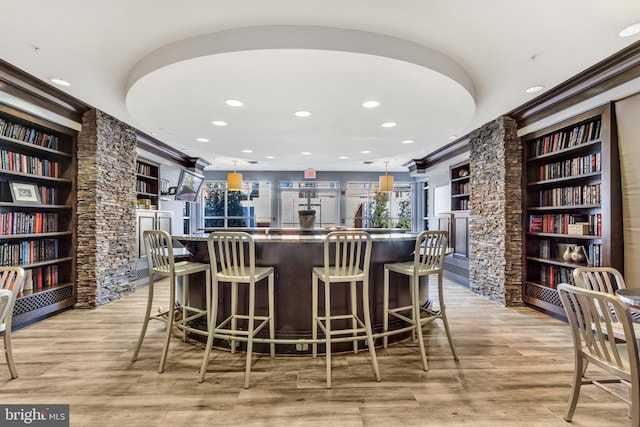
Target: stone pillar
x=495, y=231
x=106, y=209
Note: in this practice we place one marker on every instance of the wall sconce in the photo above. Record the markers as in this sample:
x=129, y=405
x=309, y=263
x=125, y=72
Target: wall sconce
x=234, y=179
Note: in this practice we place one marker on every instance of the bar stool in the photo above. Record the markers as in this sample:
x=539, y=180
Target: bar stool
x=162, y=263
x=234, y=252
x=351, y=253
x=429, y=253
x=11, y=282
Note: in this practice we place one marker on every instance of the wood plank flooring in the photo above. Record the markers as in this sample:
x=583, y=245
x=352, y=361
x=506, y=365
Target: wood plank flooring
x=515, y=370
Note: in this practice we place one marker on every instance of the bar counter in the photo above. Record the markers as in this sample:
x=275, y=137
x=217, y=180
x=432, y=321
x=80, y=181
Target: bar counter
x=293, y=253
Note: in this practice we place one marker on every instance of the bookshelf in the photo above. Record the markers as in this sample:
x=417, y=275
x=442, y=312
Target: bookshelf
x=459, y=175
x=37, y=211
x=572, y=199
x=147, y=184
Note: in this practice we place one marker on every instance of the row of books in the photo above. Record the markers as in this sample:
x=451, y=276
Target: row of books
x=570, y=196
x=550, y=251
x=26, y=134
x=143, y=169
x=559, y=223
x=570, y=167
x=566, y=138
x=37, y=279
x=463, y=205
x=18, y=162
x=144, y=187
x=28, y=252
x=553, y=275
x=461, y=188
x=27, y=223
x=47, y=195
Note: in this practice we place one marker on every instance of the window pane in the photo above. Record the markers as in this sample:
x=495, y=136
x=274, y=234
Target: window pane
x=321, y=197
x=223, y=208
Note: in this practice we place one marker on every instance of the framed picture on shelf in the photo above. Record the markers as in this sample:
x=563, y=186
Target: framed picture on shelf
x=24, y=193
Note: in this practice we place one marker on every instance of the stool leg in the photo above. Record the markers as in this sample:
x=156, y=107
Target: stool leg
x=234, y=311
x=211, y=329
x=369, y=331
x=443, y=315
x=327, y=314
x=415, y=282
x=251, y=332
x=172, y=315
x=385, y=310
x=272, y=326
x=354, y=316
x=8, y=351
x=185, y=303
x=314, y=315
x=145, y=323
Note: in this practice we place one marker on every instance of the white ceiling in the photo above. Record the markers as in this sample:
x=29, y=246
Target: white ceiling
x=438, y=68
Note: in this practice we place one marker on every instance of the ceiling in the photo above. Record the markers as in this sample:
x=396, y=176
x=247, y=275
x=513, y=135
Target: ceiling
x=438, y=69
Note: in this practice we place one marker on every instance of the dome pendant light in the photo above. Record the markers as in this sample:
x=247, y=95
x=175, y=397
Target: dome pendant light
x=385, y=183
x=234, y=179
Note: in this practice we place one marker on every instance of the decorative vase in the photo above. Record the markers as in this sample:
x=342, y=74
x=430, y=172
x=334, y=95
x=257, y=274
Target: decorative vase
x=567, y=254
x=578, y=254
x=307, y=219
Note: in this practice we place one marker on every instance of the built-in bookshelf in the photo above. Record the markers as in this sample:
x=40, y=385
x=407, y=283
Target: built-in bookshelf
x=460, y=186
x=573, y=203
x=147, y=184
x=37, y=211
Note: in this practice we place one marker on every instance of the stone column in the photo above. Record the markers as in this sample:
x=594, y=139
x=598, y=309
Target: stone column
x=106, y=209
x=495, y=231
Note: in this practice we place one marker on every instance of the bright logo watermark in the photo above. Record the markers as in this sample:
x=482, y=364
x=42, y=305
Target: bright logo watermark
x=34, y=415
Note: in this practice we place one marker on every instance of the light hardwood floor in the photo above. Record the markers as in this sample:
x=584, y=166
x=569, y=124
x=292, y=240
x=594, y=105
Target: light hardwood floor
x=515, y=370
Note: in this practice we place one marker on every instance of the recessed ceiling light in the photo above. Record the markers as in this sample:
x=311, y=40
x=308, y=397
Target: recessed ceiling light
x=408, y=141
x=234, y=102
x=389, y=124
x=343, y=157
x=370, y=104
x=202, y=140
x=365, y=152
x=247, y=151
x=302, y=113
x=219, y=123
x=630, y=30
x=453, y=137
x=270, y=157
x=534, y=89
x=306, y=153
x=59, y=81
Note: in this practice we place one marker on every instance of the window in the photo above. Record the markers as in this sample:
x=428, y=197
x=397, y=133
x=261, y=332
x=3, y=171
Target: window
x=369, y=208
x=250, y=207
x=319, y=196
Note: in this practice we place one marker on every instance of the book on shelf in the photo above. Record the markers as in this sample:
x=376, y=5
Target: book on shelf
x=27, y=134
x=566, y=138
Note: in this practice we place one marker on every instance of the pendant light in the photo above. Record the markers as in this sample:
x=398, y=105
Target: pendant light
x=234, y=179
x=385, y=183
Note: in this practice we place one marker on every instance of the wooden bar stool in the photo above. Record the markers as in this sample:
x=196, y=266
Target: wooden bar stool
x=347, y=255
x=11, y=282
x=429, y=253
x=232, y=256
x=162, y=263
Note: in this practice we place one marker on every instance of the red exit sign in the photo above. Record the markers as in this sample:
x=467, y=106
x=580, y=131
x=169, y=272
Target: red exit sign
x=309, y=174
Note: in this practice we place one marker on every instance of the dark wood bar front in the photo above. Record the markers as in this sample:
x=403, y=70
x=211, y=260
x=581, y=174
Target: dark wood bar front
x=293, y=254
